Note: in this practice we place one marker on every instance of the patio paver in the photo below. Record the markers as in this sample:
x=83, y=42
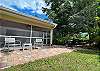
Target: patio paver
x=21, y=57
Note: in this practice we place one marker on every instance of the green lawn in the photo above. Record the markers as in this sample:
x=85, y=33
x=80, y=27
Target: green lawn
x=81, y=60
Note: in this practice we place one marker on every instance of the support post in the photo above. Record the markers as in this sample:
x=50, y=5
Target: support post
x=46, y=39
x=51, y=37
x=43, y=37
x=31, y=37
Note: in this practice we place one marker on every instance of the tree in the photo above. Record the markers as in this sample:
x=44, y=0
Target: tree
x=72, y=16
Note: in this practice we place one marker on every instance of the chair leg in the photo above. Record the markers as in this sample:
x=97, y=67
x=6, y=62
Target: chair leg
x=8, y=47
x=13, y=48
x=34, y=45
x=42, y=45
x=23, y=47
x=4, y=47
x=30, y=48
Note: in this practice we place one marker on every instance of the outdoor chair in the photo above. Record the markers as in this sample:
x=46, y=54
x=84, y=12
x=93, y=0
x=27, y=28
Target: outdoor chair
x=38, y=42
x=11, y=42
x=27, y=45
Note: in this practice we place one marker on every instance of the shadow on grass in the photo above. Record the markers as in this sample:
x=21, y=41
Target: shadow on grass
x=88, y=51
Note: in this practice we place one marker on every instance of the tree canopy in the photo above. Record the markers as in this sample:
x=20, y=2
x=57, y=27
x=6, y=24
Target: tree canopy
x=72, y=16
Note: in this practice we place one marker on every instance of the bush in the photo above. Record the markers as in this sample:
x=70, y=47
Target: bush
x=97, y=40
x=61, y=40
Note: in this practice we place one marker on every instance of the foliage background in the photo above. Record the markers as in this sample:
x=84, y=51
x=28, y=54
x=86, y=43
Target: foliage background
x=73, y=17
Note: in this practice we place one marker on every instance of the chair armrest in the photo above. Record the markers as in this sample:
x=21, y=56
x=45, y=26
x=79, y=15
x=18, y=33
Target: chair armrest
x=18, y=41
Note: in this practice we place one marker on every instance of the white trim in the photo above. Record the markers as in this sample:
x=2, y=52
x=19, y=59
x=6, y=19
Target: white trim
x=51, y=36
x=29, y=16
x=19, y=36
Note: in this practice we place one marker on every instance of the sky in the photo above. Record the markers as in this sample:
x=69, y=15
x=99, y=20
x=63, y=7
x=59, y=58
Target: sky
x=29, y=7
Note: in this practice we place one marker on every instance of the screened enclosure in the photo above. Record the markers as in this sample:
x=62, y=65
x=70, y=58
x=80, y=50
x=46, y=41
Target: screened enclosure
x=22, y=32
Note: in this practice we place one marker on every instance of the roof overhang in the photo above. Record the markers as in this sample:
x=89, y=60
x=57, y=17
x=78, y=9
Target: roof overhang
x=10, y=15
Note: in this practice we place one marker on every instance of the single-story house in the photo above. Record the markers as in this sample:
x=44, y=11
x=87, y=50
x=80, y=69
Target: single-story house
x=24, y=27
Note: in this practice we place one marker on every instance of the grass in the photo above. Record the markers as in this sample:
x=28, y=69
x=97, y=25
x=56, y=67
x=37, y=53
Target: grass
x=81, y=60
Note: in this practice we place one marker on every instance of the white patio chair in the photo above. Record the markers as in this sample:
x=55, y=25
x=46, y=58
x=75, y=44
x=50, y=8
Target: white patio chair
x=11, y=42
x=38, y=41
x=27, y=45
